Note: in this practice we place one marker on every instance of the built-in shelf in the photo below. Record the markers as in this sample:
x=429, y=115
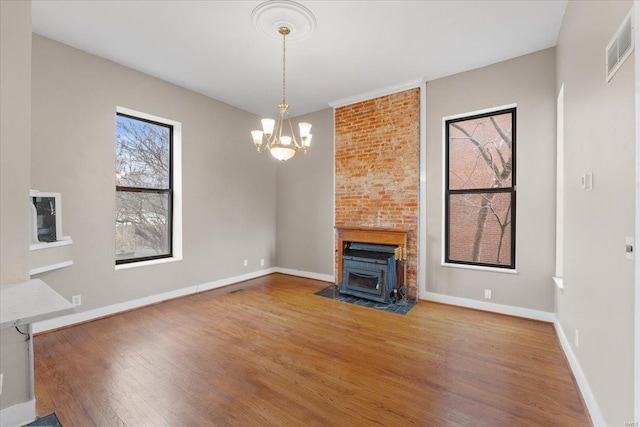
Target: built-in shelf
x=48, y=256
x=66, y=240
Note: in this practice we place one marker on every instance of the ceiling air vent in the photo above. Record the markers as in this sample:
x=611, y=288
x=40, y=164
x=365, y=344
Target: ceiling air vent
x=620, y=46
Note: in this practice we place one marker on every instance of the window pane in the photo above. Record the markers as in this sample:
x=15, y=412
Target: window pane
x=480, y=228
x=142, y=226
x=142, y=154
x=480, y=153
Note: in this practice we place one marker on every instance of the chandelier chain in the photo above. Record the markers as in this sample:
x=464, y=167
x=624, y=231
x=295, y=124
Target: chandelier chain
x=284, y=51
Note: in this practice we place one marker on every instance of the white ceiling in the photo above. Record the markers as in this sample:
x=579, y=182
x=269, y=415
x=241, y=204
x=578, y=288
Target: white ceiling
x=213, y=48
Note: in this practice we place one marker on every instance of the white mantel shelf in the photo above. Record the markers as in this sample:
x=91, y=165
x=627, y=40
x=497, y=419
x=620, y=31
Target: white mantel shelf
x=28, y=302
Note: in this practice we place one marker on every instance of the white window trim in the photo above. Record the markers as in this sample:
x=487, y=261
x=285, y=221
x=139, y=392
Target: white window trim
x=443, y=214
x=176, y=235
x=481, y=267
x=558, y=278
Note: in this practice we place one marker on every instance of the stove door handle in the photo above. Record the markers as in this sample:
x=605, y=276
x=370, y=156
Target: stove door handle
x=364, y=276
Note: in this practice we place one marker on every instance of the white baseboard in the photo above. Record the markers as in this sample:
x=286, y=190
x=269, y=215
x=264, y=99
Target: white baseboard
x=528, y=313
x=307, y=274
x=85, y=316
x=18, y=415
x=583, y=385
x=235, y=279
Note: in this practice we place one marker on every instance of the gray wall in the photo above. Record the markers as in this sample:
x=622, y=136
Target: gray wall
x=528, y=81
x=599, y=136
x=229, y=191
x=15, y=61
x=305, y=202
x=15, y=122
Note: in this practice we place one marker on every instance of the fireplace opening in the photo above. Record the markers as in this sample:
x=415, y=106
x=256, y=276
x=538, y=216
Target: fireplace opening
x=369, y=271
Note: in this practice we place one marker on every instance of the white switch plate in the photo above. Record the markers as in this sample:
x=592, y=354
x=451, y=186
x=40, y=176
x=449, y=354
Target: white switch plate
x=587, y=181
x=629, y=247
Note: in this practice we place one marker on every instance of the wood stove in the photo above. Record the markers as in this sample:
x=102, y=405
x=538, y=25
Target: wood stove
x=369, y=271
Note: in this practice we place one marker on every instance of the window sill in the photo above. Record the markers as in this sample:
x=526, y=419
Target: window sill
x=480, y=268
x=147, y=263
x=559, y=282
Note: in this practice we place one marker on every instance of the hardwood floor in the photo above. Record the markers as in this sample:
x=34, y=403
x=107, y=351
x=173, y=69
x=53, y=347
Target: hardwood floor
x=276, y=354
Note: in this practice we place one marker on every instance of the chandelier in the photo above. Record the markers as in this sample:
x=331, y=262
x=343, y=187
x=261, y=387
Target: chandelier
x=282, y=147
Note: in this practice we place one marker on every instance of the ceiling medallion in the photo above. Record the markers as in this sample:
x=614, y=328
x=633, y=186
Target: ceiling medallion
x=270, y=16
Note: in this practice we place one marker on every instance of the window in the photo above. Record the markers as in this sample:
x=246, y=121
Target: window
x=144, y=188
x=480, y=189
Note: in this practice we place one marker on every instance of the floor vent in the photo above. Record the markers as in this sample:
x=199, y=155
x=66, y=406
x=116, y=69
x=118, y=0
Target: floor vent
x=620, y=46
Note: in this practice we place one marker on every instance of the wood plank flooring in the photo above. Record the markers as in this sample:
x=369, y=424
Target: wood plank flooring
x=276, y=354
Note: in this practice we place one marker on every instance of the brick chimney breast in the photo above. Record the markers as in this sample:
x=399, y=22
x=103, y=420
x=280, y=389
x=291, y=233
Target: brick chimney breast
x=377, y=167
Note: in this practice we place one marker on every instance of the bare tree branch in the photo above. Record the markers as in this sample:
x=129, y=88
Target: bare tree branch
x=502, y=134
x=484, y=152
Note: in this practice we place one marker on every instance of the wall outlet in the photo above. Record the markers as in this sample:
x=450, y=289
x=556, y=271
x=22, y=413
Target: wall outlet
x=261, y=263
x=577, y=340
x=76, y=300
x=487, y=293
x=246, y=262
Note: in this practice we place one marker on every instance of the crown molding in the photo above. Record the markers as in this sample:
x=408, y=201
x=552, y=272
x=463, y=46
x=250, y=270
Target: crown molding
x=377, y=93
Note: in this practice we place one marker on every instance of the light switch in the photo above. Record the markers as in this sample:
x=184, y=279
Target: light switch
x=587, y=181
x=629, y=247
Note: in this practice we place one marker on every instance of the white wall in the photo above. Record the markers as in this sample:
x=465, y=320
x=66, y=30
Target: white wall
x=228, y=192
x=15, y=122
x=529, y=82
x=305, y=234
x=636, y=11
x=599, y=122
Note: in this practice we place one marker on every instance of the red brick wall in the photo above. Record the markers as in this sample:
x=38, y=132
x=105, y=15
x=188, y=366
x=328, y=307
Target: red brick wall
x=377, y=167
